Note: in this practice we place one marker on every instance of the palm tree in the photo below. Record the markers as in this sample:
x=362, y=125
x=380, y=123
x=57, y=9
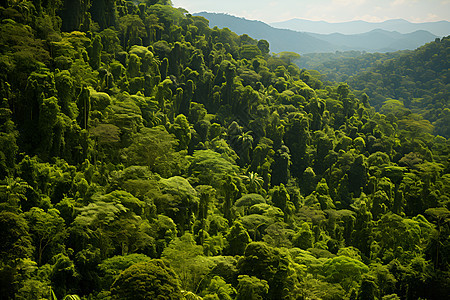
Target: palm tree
x=254, y=182
x=245, y=145
x=52, y=296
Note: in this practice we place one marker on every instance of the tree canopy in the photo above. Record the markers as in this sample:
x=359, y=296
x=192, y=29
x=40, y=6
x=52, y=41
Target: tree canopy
x=145, y=155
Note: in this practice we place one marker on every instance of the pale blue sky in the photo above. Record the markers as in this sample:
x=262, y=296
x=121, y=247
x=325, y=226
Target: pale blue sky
x=326, y=10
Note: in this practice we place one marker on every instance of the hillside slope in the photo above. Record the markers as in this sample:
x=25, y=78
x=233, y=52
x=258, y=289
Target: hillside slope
x=418, y=79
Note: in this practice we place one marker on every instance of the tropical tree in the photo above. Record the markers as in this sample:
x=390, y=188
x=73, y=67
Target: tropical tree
x=147, y=280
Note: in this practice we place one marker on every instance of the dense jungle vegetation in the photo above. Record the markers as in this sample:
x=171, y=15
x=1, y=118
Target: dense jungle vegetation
x=398, y=83
x=144, y=155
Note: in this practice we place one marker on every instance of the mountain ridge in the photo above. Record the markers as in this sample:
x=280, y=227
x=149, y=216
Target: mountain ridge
x=392, y=40
x=260, y=30
x=305, y=42
x=439, y=28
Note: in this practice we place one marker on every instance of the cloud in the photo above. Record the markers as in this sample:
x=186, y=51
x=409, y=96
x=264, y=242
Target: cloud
x=398, y=2
x=348, y=2
x=428, y=18
x=370, y=18
x=431, y=18
x=328, y=10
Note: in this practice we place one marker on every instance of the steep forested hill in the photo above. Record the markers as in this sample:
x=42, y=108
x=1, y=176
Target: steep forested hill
x=144, y=155
x=418, y=80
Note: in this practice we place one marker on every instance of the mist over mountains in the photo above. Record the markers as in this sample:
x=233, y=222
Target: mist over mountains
x=441, y=28
x=376, y=40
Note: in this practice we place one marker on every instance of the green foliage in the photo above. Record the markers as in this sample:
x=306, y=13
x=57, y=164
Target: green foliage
x=249, y=51
x=146, y=280
x=155, y=148
x=178, y=200
x=272, y=265
x=16, y=240
x=72, y=297
x=251, y=287
x=211, y=167
x=398, y=82
x=47, y=229
x=112, y=267
x=344, y=270
x=34, y=290
x=146, y=134
x=303, y=239
x=187, y=260
x=219, y=288
x=248, y=200
x=181, y=130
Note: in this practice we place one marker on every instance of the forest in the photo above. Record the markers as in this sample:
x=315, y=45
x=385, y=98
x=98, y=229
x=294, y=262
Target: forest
x=145, y=155
x=400, y=83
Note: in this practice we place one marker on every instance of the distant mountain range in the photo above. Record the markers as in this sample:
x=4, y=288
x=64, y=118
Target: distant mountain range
x=377, y=40
x=441, y=28
x=279, y=39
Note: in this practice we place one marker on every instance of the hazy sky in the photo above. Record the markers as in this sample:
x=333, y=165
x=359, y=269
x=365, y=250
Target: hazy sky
x=326, y=10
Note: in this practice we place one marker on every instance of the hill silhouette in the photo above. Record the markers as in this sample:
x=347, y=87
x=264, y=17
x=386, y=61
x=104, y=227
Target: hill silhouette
x=377, y=40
